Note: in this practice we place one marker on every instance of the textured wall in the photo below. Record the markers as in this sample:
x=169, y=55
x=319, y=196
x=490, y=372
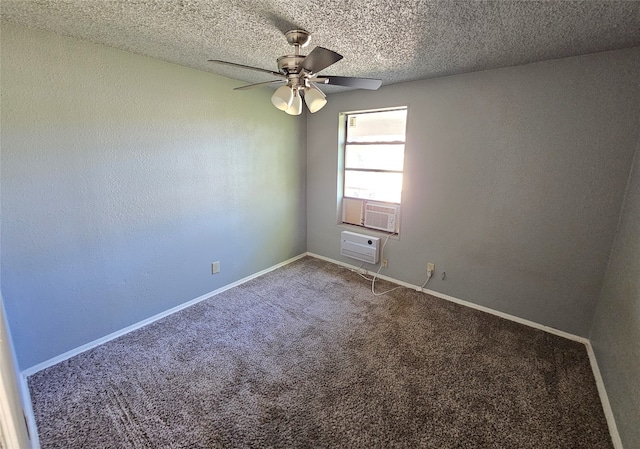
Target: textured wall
x=123, y=178
x=616, y=329
x=514, y=182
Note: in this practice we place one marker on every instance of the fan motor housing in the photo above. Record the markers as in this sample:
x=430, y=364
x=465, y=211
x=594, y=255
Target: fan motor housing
x=290, y=63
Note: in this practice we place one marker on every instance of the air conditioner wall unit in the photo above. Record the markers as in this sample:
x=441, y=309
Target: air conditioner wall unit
x=360, y=247
x=381, y=216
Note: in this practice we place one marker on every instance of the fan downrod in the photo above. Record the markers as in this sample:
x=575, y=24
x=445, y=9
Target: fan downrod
x=291, y=63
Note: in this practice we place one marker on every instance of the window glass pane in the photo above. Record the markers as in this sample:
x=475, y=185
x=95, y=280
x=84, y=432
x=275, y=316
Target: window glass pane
x=376, y=157
x=373, y=185
x=383, y=126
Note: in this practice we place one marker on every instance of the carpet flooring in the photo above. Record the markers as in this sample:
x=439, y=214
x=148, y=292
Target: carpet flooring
x=306, y=357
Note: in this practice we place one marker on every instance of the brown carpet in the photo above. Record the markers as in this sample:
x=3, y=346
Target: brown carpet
x=306, y=357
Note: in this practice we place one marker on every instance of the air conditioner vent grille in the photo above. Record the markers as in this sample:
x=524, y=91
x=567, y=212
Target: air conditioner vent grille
x=380, y=217
x=382, y=209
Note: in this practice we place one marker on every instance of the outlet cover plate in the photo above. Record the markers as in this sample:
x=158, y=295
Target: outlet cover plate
x=431, y=267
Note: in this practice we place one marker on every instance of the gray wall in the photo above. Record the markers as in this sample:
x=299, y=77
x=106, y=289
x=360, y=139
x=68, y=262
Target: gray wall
x=615, y=335
x=123, y=178
x=513, y=185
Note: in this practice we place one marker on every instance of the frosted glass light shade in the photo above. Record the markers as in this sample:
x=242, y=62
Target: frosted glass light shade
x=315, y=99
x=282, y=98
x=296, y=105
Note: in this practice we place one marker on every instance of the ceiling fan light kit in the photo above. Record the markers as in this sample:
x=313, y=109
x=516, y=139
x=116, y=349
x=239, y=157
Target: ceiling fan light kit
x=282, y=97
x=315, y=98
x=296, y=104
x=300, y=73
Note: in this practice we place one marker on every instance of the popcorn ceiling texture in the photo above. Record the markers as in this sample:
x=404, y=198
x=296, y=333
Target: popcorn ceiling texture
x=394, y=41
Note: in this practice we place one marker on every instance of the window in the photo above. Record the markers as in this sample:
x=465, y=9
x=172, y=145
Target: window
x=373, y=165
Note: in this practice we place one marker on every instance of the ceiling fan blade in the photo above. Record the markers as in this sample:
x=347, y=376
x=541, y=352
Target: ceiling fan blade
x=347, y=81
x=319, y=59
x=250, y=86
x=233, y=64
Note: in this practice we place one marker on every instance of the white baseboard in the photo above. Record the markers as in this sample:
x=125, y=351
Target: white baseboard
x=604, y=399
x=25, y=395
x=62, y=357
x=615, y=436
x=533, y=324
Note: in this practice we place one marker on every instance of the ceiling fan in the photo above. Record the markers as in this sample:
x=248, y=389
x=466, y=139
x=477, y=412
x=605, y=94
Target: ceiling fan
x=299, y=73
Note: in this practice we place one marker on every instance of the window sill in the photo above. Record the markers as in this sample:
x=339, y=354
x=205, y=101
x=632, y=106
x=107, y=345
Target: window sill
x=368, y=231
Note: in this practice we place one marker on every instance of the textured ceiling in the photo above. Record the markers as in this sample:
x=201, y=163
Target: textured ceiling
x=393, y=40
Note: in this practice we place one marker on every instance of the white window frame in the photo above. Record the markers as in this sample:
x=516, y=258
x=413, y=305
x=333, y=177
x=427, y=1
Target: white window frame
x=352, y=211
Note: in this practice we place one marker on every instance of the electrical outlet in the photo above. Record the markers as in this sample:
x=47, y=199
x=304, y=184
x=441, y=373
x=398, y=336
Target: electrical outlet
x=215, y=267
x=385, y=263
x=430, y=268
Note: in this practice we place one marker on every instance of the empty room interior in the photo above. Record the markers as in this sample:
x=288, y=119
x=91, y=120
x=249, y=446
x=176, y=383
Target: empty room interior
x=418, y=226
